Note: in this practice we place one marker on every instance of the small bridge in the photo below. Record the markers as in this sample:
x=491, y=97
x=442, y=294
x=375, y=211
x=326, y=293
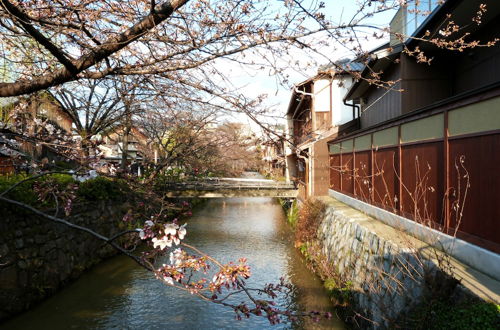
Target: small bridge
x=230, y=187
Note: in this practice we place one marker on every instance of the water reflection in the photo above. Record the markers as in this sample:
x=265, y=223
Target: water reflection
x=119, y=295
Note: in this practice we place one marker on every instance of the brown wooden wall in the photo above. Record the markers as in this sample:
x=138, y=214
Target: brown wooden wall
x=6, y=165
x=479, y=66
x=450, y=182
x=320, y=170
x=381, y=104
x=362, y=173
x=323, y=120
x=422, y=167
x=450, y=74
x=481, y=164
x=424, y=84
x=302, y=122
x=386, y=181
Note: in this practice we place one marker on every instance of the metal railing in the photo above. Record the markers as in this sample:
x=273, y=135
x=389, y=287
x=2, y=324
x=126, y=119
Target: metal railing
x=229, y=184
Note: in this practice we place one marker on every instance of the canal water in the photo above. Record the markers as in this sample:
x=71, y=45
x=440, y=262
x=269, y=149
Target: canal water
x=117, y=294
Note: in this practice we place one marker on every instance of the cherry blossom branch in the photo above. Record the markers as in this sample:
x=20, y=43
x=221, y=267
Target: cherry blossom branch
x=95, y=55
x=23, y=19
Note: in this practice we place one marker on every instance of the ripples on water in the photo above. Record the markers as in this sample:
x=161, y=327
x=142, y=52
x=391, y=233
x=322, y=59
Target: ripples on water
x=119, y=295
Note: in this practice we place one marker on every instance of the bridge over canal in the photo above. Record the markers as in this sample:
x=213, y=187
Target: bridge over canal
x=230, y=187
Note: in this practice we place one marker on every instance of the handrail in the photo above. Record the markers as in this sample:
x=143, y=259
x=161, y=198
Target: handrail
x=215, y=184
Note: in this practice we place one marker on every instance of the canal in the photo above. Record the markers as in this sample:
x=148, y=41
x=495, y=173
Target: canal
x=117, y=294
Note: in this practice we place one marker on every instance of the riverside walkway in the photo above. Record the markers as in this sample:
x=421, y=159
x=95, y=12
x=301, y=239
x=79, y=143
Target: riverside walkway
x=230, y=187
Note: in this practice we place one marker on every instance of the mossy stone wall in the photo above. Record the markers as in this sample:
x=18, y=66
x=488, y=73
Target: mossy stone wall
x=38, y=257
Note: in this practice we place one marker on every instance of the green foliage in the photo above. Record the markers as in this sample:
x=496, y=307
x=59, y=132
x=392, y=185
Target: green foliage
x=64, y=165
x=291, y=210
x=304, y=250
x=26, y=192
x=444, y=315
x=102, y=188
x=23, y=193
x=61, y=179
x=293, y=214
x=339, y=290
x=330, y=284
x=340, y=293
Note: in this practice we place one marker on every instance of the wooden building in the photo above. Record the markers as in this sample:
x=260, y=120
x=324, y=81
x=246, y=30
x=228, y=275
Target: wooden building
x=273, y=155
x=138, y=145
x=25, y=111
x=315, y=113
x=430, y=152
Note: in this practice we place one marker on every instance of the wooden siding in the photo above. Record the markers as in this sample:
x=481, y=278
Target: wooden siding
x=422, y=183
x=479, y=66
x=362, y=173
x=321, y=170
x=323, y=120
x=450, y=74
x=380, y=104
x=335, y=172
x=424, y=178
x=302, y=123
x=386, y=178
x=476, y=158
x=424, y=84
x=346, y=177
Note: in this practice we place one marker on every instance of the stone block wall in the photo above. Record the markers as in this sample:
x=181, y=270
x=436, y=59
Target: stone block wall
x=38, y=257
x=388, y=274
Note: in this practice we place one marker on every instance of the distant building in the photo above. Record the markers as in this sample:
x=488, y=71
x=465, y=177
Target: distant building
x=273, y=154
x=37, y=108
x=138, y=146
x=315, y=114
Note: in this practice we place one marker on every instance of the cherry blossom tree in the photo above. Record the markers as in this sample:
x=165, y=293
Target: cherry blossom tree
x=50, y=43
x=173, y=47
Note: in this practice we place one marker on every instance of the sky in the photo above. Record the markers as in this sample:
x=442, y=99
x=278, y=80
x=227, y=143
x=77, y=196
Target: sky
x=254, y=82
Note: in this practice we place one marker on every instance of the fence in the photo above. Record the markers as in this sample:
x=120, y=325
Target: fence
x=440, y=167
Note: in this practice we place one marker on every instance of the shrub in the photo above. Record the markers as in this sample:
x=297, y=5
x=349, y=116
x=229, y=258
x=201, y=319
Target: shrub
x=61, y=179
x=102, y=188
x=442, y=314
x=341, y=294
x=23, y=193
x=309, y=217
x=292, y=212
x=30, y=192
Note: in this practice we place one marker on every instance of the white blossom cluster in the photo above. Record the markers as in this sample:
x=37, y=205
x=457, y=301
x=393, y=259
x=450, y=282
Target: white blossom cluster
x=92, y=174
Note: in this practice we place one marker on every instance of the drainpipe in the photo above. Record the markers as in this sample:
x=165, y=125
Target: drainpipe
x=354, y=108
x=302, y=97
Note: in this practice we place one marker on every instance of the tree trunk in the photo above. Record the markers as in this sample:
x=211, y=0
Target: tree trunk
x=126, y=132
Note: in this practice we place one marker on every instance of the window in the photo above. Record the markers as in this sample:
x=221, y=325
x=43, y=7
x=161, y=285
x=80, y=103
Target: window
x=417, y=12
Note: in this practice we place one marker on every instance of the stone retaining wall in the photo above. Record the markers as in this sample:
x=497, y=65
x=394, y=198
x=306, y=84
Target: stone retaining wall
x=37, y=257
x=389, y=272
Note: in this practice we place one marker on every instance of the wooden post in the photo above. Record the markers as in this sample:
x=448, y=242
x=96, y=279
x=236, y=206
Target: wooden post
x=399, y=204
x=353, y=176
x=372, y=174
x=446, y=186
